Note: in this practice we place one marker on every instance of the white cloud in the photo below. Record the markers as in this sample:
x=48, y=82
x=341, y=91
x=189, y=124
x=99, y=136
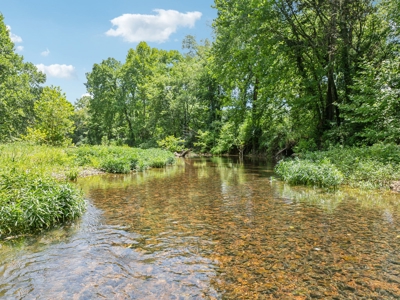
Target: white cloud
x=14, y=38
x=86, y=95
x=152, y=28
x=59, y=71
x=45, y=53
x=19, y=48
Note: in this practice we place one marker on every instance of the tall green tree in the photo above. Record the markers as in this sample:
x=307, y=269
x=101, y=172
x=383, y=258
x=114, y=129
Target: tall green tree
x=240, y=64
x=373, y=114
x=19, y=88
x=81, y=120
x=104, y=83
x=53, y=123
x=155, y=94
x=122, y=105
x=297, y=61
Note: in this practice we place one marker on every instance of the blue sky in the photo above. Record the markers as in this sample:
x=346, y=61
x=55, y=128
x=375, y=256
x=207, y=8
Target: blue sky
x=65, y=38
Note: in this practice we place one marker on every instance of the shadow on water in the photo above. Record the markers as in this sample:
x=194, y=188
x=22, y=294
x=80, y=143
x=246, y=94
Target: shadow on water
x=212, y=229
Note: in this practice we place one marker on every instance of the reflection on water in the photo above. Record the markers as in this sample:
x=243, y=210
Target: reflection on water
x=212, y=229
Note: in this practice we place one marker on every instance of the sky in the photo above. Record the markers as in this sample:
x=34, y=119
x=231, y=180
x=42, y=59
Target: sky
x=64, y=39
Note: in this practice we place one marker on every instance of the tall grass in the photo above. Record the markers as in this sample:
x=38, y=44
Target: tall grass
x=321, y=174
x=69, y=161
x=32, y=199
x=38, y=159
x=114, y=159
x=365, y=167
x=32, y=202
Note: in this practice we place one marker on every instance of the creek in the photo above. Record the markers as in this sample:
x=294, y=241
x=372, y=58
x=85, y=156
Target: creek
x=212, y=228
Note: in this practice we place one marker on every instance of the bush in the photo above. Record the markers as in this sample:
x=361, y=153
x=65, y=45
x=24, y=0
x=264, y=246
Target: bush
x=205, y=140
x=31, y=202
x=113, y=164
x=115, y=159
x=172, y=144
x=321, y=174
x=367, y=167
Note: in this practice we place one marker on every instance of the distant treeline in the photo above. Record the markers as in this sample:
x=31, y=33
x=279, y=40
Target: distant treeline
x=283, y=74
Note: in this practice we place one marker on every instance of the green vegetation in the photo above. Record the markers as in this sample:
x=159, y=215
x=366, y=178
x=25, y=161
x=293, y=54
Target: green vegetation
x=172, y=144
x=321, y=173
x=53, y=119
x=366, y=167
x=30, y=202
x=32, y=199
x=67, y=162
x=115, y=159
x=19, y=89
x=280, y=75
x=326, y=75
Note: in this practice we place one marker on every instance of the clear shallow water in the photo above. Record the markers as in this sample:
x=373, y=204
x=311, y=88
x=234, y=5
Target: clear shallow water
x=212, y=229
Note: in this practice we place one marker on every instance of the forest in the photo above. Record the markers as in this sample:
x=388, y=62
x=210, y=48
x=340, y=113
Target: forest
x=279, y=75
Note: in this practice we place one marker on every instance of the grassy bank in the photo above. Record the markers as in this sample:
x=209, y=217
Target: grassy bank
x=114, y=159
x=364, y=167
x=34, y=192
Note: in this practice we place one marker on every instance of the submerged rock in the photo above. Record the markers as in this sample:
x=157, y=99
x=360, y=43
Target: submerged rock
x=395, y=186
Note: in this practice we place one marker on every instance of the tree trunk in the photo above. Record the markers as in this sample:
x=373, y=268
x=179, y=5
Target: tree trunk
x=254, y=115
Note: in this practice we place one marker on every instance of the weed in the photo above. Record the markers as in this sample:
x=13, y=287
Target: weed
x=72, y=174
x=32, y=200
x=116, y=159
x=321, y=174
x=365, y=167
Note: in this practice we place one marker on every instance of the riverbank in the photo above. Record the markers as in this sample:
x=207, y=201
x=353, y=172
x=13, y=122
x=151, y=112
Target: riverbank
x=374, y=167
x=35, y=192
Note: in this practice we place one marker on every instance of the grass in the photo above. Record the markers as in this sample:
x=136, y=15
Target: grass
x=320, y=174
x=114, y=159
x=32, y=199
x=371, y=167
x=30, y=202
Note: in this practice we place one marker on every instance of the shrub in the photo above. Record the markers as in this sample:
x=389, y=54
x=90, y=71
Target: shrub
x=367, y=167
x=205, y=140
x=115, y=159
x=172, y=144
x=53, y=119
x=112, y=164
x=31, y=202
x=321, y=174
x=72, y=174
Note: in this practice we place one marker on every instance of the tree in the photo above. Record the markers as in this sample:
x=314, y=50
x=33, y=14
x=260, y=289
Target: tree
x=19, y=89
x=295, y=58
x=53, y=124
x=373, y=114
x=125, y=97
x=104, y=84
x=241, y=63
x=147, y=70
x=81, y=120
